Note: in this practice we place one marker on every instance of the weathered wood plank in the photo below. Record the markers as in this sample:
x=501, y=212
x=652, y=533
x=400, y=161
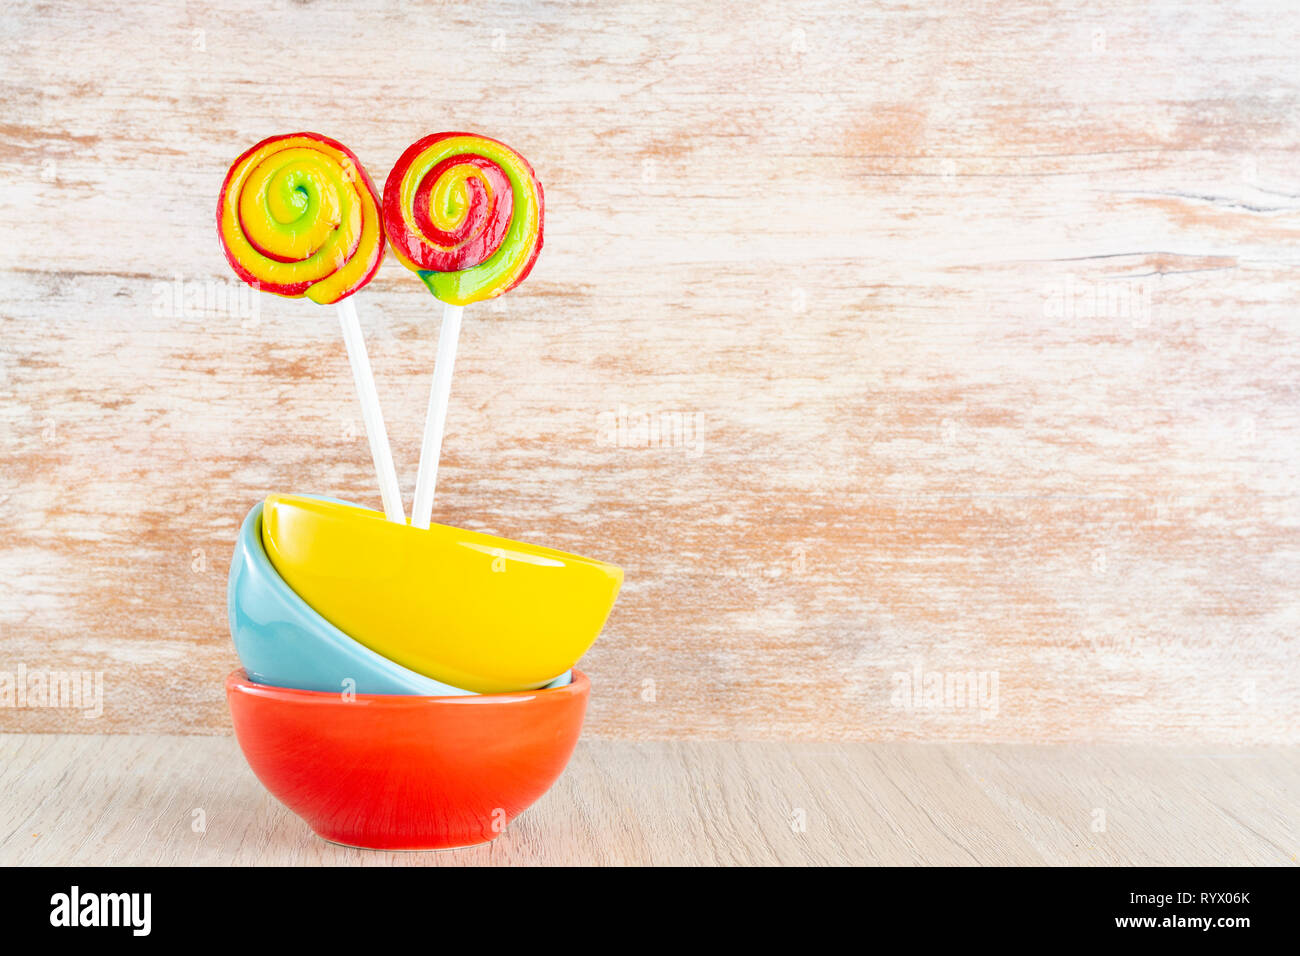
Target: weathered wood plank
x=978, y=323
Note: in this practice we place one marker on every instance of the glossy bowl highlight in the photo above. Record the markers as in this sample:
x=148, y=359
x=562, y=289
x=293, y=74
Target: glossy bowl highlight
x=406, y=772
x=281, y=641
x=468, y=609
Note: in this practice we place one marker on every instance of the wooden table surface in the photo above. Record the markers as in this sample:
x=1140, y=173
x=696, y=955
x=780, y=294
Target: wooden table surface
x=135, y=800
x=968, y=331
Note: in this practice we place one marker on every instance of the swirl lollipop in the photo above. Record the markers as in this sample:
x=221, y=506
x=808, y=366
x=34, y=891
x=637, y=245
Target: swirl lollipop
x=298, y=216
x=464, y=212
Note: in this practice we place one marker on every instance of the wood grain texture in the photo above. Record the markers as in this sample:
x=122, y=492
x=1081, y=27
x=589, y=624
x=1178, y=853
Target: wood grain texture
x=978, y=319
x=132, y=801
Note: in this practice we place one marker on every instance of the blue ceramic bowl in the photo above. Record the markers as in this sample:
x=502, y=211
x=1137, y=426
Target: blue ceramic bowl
x=283, y=642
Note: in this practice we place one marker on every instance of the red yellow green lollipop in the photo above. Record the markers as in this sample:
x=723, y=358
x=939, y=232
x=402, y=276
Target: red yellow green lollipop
x=299, y=216
x=465, y=213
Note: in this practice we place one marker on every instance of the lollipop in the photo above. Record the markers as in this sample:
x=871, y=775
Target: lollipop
x=298, y=216
x=464, y=212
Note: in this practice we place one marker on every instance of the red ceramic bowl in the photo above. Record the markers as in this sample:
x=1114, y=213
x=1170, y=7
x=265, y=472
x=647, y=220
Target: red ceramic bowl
x=392, y=772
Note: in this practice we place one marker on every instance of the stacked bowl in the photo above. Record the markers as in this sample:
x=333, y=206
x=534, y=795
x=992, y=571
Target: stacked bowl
x=405, y=688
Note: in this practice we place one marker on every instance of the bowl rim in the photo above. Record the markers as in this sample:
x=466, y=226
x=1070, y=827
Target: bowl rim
x=451, y=533
x=251, y=528
x=238, y=682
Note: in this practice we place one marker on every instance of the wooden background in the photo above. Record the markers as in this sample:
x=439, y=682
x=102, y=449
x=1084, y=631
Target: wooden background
x=982, y=316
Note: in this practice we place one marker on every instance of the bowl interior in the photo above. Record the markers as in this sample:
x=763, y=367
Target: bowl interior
x=239, y=681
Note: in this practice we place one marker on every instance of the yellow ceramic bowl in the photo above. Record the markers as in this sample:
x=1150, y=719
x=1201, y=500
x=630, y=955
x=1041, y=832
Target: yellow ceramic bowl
x=468, y=609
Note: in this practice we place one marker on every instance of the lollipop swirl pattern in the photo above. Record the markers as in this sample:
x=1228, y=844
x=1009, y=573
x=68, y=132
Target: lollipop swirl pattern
x=299, y=216
x=465, y=213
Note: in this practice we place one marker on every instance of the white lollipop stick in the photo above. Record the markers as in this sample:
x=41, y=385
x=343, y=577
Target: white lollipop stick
x=374, y=418
x=436, y=420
